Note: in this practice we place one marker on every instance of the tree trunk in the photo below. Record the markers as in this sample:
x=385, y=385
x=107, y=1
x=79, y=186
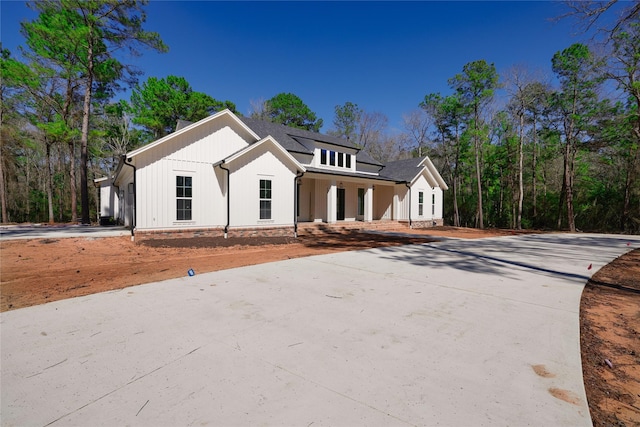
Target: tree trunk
x=72, y=181
x=3, y=197
x=570, y=172
x=3, y=194
x=456, y=213
x=49, y=183
x=84, y=140
x=563, y=190
x=567, y=188
x=520, y=167
x=480, y=218
x=534, y=168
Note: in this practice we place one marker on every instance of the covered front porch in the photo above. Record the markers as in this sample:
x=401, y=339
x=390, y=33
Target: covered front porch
x=323, y=198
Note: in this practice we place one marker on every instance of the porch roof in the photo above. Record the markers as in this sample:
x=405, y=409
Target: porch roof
x=351, y=175
x=403, y=170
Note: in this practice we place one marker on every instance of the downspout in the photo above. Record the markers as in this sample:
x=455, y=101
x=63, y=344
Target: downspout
x=226, y=227
x=295, y=203
x=409, y=188
x=133, y=219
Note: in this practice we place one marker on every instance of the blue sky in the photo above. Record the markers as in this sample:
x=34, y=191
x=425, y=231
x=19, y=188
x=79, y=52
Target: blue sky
x=383, y=56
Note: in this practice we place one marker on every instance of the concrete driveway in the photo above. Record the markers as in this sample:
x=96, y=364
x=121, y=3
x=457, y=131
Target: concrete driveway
x=40, y=231
x=468, y=332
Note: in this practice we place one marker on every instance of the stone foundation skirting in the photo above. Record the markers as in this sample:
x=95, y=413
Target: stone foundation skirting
x=428, y=223
x=286, y=231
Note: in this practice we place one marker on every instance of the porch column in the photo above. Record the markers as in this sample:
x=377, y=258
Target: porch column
x=332, y=202
x=368, y=203
x=394, y=215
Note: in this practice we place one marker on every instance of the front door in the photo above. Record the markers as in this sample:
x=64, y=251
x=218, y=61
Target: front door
x=340, y=205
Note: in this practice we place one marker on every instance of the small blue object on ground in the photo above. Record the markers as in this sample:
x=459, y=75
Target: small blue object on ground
x=191, y=272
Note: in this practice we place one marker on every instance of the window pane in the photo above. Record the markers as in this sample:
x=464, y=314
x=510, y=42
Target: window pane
x=187, y=181
x=323, y=157
x=265, y=189
x=187, y=192
x=180, y=191
x=265, y=209
x=179, y=181
x=348, y=158
x=420, y=197
x=332, y=158
x=340, y=159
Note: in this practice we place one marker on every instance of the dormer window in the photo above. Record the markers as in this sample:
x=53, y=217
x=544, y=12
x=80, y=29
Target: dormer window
x=335, y=158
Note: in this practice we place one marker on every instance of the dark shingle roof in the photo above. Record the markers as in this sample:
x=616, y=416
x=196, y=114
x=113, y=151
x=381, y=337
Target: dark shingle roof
x=279, y=132
x=300, y=140
x=402, y=170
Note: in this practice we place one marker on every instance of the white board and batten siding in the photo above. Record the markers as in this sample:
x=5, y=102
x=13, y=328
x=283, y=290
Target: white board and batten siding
x=432, y=201
x=246, y=173
x=383, y=199
x=190, y=154
x=431, y=206
x=108, y=199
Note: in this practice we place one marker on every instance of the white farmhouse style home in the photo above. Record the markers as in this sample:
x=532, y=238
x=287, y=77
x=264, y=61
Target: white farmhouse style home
x=230, y=175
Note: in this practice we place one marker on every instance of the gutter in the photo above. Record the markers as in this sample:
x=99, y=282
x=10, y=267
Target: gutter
x=133, y=219
x=226, y=227
x=295, y=203
x=409, y=188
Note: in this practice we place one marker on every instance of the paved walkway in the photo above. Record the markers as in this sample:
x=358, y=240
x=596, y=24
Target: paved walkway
x=468, y=332
x=39, y=231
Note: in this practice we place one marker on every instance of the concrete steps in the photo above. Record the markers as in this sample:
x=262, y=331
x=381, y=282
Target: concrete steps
x=319, y=228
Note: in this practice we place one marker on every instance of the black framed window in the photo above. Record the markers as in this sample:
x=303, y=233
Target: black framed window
x=420, y=203
x=433, y=204
x=265, y=199
x=184, y=197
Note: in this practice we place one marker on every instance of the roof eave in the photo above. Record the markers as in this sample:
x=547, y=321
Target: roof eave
x=225, y=112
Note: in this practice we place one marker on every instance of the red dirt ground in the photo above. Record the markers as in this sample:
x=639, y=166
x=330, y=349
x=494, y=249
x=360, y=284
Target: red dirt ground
x=42, y=270
x=610, y=331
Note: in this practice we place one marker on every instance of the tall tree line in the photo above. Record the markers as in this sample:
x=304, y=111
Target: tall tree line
x=71, y=70
x=562, y=157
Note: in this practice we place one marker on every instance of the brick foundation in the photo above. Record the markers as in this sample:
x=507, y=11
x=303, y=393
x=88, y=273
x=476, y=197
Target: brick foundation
x=262, y=232
x=428, y=223
x=214, y=232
